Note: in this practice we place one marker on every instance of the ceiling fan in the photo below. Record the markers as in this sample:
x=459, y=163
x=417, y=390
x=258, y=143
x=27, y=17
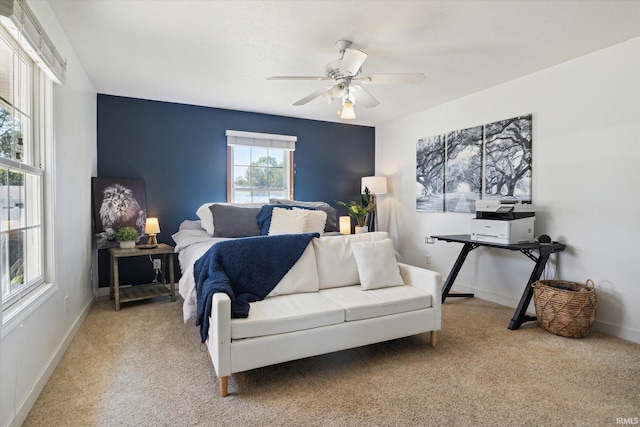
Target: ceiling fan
x=347, y=75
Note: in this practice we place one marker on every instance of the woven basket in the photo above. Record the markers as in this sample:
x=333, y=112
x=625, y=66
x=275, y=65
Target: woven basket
x=566, y=312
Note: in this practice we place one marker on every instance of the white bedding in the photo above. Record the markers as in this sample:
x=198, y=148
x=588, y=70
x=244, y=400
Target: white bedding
x=191, y=245
x=192, y=242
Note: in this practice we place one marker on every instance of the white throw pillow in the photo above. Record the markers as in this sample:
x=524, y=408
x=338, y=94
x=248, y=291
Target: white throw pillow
x=377, y=265
x=316, y=220
x=334, y=256
x=288, y=221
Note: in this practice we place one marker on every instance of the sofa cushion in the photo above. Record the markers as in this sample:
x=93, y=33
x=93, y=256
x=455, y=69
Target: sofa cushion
x=287, y=313
x=334, y=256
x=377, y=265
x=359, y=304
x=302, y=277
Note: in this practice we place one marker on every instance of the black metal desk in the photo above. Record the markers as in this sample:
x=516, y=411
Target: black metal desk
x=520, y=316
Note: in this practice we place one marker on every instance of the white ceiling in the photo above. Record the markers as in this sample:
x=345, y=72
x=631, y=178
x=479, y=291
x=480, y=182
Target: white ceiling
x=219, y=53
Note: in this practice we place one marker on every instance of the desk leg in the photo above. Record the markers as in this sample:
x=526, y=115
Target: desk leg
x=520, y=315
x=468, y=247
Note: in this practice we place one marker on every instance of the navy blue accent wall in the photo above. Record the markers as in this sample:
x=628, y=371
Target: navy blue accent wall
x=180, y=151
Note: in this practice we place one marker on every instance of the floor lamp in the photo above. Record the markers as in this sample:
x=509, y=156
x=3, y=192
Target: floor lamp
x=376, y=185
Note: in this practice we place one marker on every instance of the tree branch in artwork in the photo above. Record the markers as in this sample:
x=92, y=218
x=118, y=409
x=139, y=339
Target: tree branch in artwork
x=430, y=173
x=464, y=159
x=508, y=157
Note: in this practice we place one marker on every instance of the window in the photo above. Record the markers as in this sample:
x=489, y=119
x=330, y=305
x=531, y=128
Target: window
x=260, y=167
x=25, y=132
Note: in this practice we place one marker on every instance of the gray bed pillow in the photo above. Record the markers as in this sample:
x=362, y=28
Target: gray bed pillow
x=332, y=214
x=234, y=221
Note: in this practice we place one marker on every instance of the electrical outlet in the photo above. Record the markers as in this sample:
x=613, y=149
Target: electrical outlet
x=427, y=260
x=157, y=264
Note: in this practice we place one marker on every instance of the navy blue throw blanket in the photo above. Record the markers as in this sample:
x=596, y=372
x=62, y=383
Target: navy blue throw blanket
x=246, y=269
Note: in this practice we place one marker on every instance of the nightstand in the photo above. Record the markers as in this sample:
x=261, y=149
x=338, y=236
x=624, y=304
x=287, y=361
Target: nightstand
x=140, y=292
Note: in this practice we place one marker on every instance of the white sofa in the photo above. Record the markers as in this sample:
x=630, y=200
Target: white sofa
x=320, y=307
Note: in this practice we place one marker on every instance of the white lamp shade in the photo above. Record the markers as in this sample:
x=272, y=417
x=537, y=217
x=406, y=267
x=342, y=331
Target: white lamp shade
x=152, y=226
x=375, y=184
x=347, y=111
x=345, y=225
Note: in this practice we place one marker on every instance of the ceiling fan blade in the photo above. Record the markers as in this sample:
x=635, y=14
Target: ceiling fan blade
x=363, y=97
x=313, y=95
x=393, y=79
x=298, y=78
x=352, y=61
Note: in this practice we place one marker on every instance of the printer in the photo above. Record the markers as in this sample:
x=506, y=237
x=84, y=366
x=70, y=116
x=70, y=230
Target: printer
x=503, y=221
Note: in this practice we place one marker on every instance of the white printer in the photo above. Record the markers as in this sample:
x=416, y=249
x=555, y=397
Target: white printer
x=503, y=221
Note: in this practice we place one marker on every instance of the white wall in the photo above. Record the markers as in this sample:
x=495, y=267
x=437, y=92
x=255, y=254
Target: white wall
x=31, y=349
x=586, y=185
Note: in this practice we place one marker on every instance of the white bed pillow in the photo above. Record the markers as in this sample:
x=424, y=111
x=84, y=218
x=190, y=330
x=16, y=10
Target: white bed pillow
x=288, y=221
x=377, y=265
x=206, y=217
x=316, y=220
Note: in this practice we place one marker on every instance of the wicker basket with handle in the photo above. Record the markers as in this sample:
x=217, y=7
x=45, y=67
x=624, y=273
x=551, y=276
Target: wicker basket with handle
x=565, y=308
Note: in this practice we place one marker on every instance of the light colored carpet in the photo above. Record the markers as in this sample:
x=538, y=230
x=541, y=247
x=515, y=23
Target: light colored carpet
x=143, y=367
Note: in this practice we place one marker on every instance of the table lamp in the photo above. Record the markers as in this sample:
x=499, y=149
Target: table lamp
x=152, y=227
x=345, y=225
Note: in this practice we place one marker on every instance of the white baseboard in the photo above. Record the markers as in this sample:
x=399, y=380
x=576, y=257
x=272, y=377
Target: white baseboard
x=486, y=295
x=599, y=326
x=25, y=406
x=102, y=293
x=628, y=334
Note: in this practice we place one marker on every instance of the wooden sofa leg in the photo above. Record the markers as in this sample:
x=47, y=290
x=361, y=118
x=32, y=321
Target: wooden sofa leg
x=224, y=385
x=434, y=338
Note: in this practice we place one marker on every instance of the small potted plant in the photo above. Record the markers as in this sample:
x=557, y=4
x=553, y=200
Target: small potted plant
x=127, y=236
x=359, y=212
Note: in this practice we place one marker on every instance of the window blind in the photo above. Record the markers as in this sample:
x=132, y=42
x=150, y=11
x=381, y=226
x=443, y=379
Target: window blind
x=20, y=21
x=267, y=140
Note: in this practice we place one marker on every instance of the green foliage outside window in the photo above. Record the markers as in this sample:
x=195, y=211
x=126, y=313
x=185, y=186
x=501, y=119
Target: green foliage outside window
x=265, y=172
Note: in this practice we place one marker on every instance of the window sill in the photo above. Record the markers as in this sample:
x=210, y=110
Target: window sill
x=12, y=317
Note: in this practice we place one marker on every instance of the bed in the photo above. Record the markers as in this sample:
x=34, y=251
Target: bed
x=219, y=222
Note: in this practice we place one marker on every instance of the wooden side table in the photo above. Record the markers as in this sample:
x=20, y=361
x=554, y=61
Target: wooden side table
x=140, y=292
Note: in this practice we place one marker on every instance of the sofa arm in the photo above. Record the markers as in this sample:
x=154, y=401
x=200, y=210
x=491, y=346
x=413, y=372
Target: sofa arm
x=219, y=340
x=427, y=280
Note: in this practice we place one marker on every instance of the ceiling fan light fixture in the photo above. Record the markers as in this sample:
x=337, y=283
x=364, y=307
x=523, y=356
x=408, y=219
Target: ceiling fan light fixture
x=346, y=73
x=348, y=111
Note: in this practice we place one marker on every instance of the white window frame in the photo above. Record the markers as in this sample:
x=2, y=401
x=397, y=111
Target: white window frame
x=285, y=144
x=28, y=41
